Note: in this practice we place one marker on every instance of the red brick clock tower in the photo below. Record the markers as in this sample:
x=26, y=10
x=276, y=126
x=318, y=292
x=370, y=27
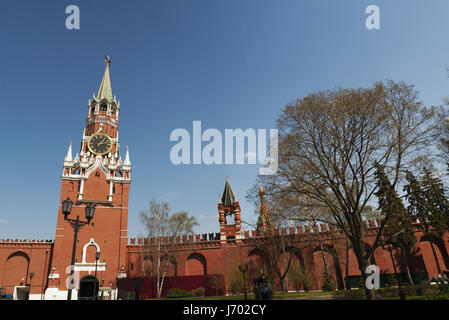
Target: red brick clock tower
x=99, y=176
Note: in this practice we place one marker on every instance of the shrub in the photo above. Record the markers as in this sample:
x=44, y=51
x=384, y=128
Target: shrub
x=295, y=276
x=299, y=277
x=357, y=294
x=388, y=292
x=199, y=292
x=216, y=282
x=421, y=290
x=306, y=281
x=437, y=296
x=235, y=280
x=416, y=290
x=178, y=293
x=434, y=292
x=235, y=286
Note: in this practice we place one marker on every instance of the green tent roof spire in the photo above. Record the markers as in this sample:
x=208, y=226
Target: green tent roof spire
x=105, y=90
x=228, y=197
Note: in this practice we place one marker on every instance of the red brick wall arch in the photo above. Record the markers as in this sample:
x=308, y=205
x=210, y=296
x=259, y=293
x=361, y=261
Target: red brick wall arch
x=16, y=269
x=196, y=265
x=328, y=252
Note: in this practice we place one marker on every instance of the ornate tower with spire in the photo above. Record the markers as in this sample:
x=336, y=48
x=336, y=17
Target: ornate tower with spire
x=228, y=209
x=98, y=176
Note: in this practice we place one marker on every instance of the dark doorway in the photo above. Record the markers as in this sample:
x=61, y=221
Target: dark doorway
x=22, y=292
x=88, y=289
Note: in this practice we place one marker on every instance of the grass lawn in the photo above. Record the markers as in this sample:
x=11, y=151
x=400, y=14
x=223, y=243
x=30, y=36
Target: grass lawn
x=237, y=297
x=406, y=298
x=388, y=295
x=277, y=295
x=302, y=294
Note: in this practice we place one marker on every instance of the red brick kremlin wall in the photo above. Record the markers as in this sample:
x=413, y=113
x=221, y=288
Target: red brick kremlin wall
x=19, y=259
x=204, y=255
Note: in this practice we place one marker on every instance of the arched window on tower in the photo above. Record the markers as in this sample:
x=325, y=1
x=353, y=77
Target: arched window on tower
x=103, y=107
x=230, y=218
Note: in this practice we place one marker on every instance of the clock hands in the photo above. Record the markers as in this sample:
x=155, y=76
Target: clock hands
x=100, y=144
x=103, y=141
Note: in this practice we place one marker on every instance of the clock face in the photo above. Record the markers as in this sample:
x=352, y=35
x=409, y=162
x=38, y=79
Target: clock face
x=100, y=143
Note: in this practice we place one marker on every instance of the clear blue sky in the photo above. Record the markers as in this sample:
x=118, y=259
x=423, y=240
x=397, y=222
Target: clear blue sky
x=229, y=63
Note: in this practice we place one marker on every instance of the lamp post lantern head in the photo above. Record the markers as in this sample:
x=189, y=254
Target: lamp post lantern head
x=66, y=207
x=97, y=255
x=90, y=210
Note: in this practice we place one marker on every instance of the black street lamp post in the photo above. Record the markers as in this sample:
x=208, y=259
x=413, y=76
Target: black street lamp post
x=97, y=257
x=31, y=279
x=76, y=225
x=243, y=269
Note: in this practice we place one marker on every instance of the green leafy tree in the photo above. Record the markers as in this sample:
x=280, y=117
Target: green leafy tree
x=437, y=202
x=235, y=280
x=328, y=284
x=299, y=277
x=276, y=247
x=428, y=203
x=306, y=280
x=216, y=282
x=400, y=223
x=163, y=229
x=329, y=142
x=295, y=276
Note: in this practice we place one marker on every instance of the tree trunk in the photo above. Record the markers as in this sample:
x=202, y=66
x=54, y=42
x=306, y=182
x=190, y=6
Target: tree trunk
x=160, y=286
x=435, y=256
x=158, y=271
x=370, y=293
x=324, y=258
x=323, y=255
x=282, y=284
x=363, y=264
x=347, y=284
x=405, y=261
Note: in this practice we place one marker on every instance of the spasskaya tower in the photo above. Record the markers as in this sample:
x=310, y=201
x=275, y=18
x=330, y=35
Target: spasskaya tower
x=99, y=176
